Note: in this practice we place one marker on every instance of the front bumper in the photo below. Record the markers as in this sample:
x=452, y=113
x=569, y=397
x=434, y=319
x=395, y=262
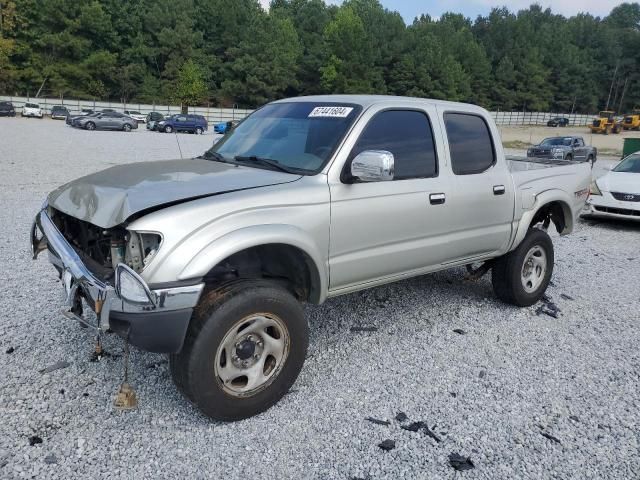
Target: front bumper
x=158, y=327
x=608, y=207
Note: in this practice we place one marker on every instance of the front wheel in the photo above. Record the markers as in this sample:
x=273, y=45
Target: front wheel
x=168, y=129
x=521, y=277
x=244, y=349
x=90, y=126
x=199, y=131
x=569, y=157
x=126, y=127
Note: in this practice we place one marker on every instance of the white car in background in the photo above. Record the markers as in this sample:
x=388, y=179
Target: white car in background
x=32, y=110
x=617, y=194
x=137, y=116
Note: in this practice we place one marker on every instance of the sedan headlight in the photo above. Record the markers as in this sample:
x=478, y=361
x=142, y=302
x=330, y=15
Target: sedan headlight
x=594, y=189
x=131, y=288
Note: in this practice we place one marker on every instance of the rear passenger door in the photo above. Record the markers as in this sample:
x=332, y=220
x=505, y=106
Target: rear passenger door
x=382, y=230
x=181, y=123
x=481, y=203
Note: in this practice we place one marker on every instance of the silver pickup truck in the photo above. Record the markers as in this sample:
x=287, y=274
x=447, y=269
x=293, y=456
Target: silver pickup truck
x=209, y=259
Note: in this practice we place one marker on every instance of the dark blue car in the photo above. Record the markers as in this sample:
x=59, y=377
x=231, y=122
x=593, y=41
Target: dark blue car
x=183, y=123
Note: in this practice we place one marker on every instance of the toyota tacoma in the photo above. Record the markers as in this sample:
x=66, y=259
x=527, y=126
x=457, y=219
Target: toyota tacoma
x=209, y=259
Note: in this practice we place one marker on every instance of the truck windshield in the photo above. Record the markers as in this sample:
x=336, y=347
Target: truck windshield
x=631, y=164
x=557, y=141
x=300, y=136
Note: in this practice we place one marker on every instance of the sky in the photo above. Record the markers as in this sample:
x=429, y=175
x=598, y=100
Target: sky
x=409, y=9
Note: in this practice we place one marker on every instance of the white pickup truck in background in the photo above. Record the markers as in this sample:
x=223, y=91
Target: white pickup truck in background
x=306, y=199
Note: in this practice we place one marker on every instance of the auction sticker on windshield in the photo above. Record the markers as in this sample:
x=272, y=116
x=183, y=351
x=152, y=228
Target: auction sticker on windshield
x=336, y=112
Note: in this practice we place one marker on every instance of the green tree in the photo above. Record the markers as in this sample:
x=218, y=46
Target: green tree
x=190, y=88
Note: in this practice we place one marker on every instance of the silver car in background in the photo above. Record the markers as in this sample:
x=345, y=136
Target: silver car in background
x=106, y=121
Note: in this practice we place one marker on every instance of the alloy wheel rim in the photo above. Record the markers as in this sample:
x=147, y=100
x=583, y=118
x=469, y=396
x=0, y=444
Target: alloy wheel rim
x=534, y=269
x=252, y=354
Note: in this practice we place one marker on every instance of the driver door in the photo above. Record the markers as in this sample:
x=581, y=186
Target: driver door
x=384, y=229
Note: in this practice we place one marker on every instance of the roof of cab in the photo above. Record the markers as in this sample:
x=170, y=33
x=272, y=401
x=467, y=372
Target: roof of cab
x=368, y=100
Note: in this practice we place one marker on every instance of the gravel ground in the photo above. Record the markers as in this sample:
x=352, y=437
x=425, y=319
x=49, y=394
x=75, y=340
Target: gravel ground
x=522, y=394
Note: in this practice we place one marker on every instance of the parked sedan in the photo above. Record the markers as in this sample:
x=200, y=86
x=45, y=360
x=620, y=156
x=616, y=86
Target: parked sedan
x=106, y=121
x=59, y=112
x=137, y=116
x=558, y=122
x=617, y=194
x=7, y=110
x=32, y=110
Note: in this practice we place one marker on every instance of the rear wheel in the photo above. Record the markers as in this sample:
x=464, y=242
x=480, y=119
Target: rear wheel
x=168, y=129
x=90, y=126
x=244, y=349
x=199, y=131
x=521, y=277
x=569, y=157
x=126, y=127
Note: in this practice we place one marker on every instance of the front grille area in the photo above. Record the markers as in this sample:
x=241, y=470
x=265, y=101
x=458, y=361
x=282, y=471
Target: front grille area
x=626, y=197
x=618, y=211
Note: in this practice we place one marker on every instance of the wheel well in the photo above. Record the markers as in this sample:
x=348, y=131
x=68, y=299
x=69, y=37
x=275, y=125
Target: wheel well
x=556, y=212
x=281, y=262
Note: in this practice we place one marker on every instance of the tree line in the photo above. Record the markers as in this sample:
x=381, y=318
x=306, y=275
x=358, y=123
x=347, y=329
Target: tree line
x=226, y=52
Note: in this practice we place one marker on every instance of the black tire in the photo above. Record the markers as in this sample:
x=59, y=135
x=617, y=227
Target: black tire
x=591, y=159
x=193, y=369
x=569, y=157
x=90, y=126
x=506, y=274
x=168, y=129
x=199, y=130
x=126, y=127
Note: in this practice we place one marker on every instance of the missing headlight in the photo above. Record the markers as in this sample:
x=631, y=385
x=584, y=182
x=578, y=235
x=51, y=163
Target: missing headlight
x=140, y=249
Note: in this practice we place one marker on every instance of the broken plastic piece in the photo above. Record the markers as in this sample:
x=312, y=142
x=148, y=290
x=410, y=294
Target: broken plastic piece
x=387, y=445
x=460, y=463
x=377, y=422
x=126, y=398
x=56, y=366
x=401, y=417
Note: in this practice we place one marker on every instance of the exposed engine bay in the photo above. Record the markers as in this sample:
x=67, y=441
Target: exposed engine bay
x=103, y=249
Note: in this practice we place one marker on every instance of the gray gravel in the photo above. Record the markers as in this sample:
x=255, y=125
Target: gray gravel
x=491, y=393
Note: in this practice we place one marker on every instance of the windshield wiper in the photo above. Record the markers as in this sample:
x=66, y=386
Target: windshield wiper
x=209, y=155
x=265, y=161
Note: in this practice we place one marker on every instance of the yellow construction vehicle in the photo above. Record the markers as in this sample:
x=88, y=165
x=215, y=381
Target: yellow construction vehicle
x=606, y=123
x=632, y=120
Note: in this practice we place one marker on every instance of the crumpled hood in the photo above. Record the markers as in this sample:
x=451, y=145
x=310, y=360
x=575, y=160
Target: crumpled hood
x=110, y=197
x=622, y=182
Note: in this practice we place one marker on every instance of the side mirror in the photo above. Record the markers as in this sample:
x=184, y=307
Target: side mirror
x=373, y=166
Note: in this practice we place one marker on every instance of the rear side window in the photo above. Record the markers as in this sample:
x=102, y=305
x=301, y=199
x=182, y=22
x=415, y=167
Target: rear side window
x=469, y=143
x=408, y=136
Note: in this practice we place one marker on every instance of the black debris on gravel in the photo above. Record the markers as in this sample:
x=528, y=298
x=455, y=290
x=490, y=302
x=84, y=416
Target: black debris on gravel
x=50, y=459
x=364, y=329
x=453, y=394
x=459, y=331
x=377, y=422
x=96, y=357
x=482, y=373
x=417, y=426
x=85, y=394
x=548, y=307
x=156, y=364
x=387, y=445
x=550, y=437
x=574, y=418
x=401, y=417
x=566, y=297
x=61, y=391
x=10, y=350
x=460, y=463
x=56, y=366
x=34, y=440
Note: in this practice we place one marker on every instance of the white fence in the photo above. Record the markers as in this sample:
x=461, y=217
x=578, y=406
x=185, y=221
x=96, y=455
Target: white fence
x=212, y=114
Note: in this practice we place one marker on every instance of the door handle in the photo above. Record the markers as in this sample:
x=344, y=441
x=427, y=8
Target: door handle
x=437, y=198
x=498, y=189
